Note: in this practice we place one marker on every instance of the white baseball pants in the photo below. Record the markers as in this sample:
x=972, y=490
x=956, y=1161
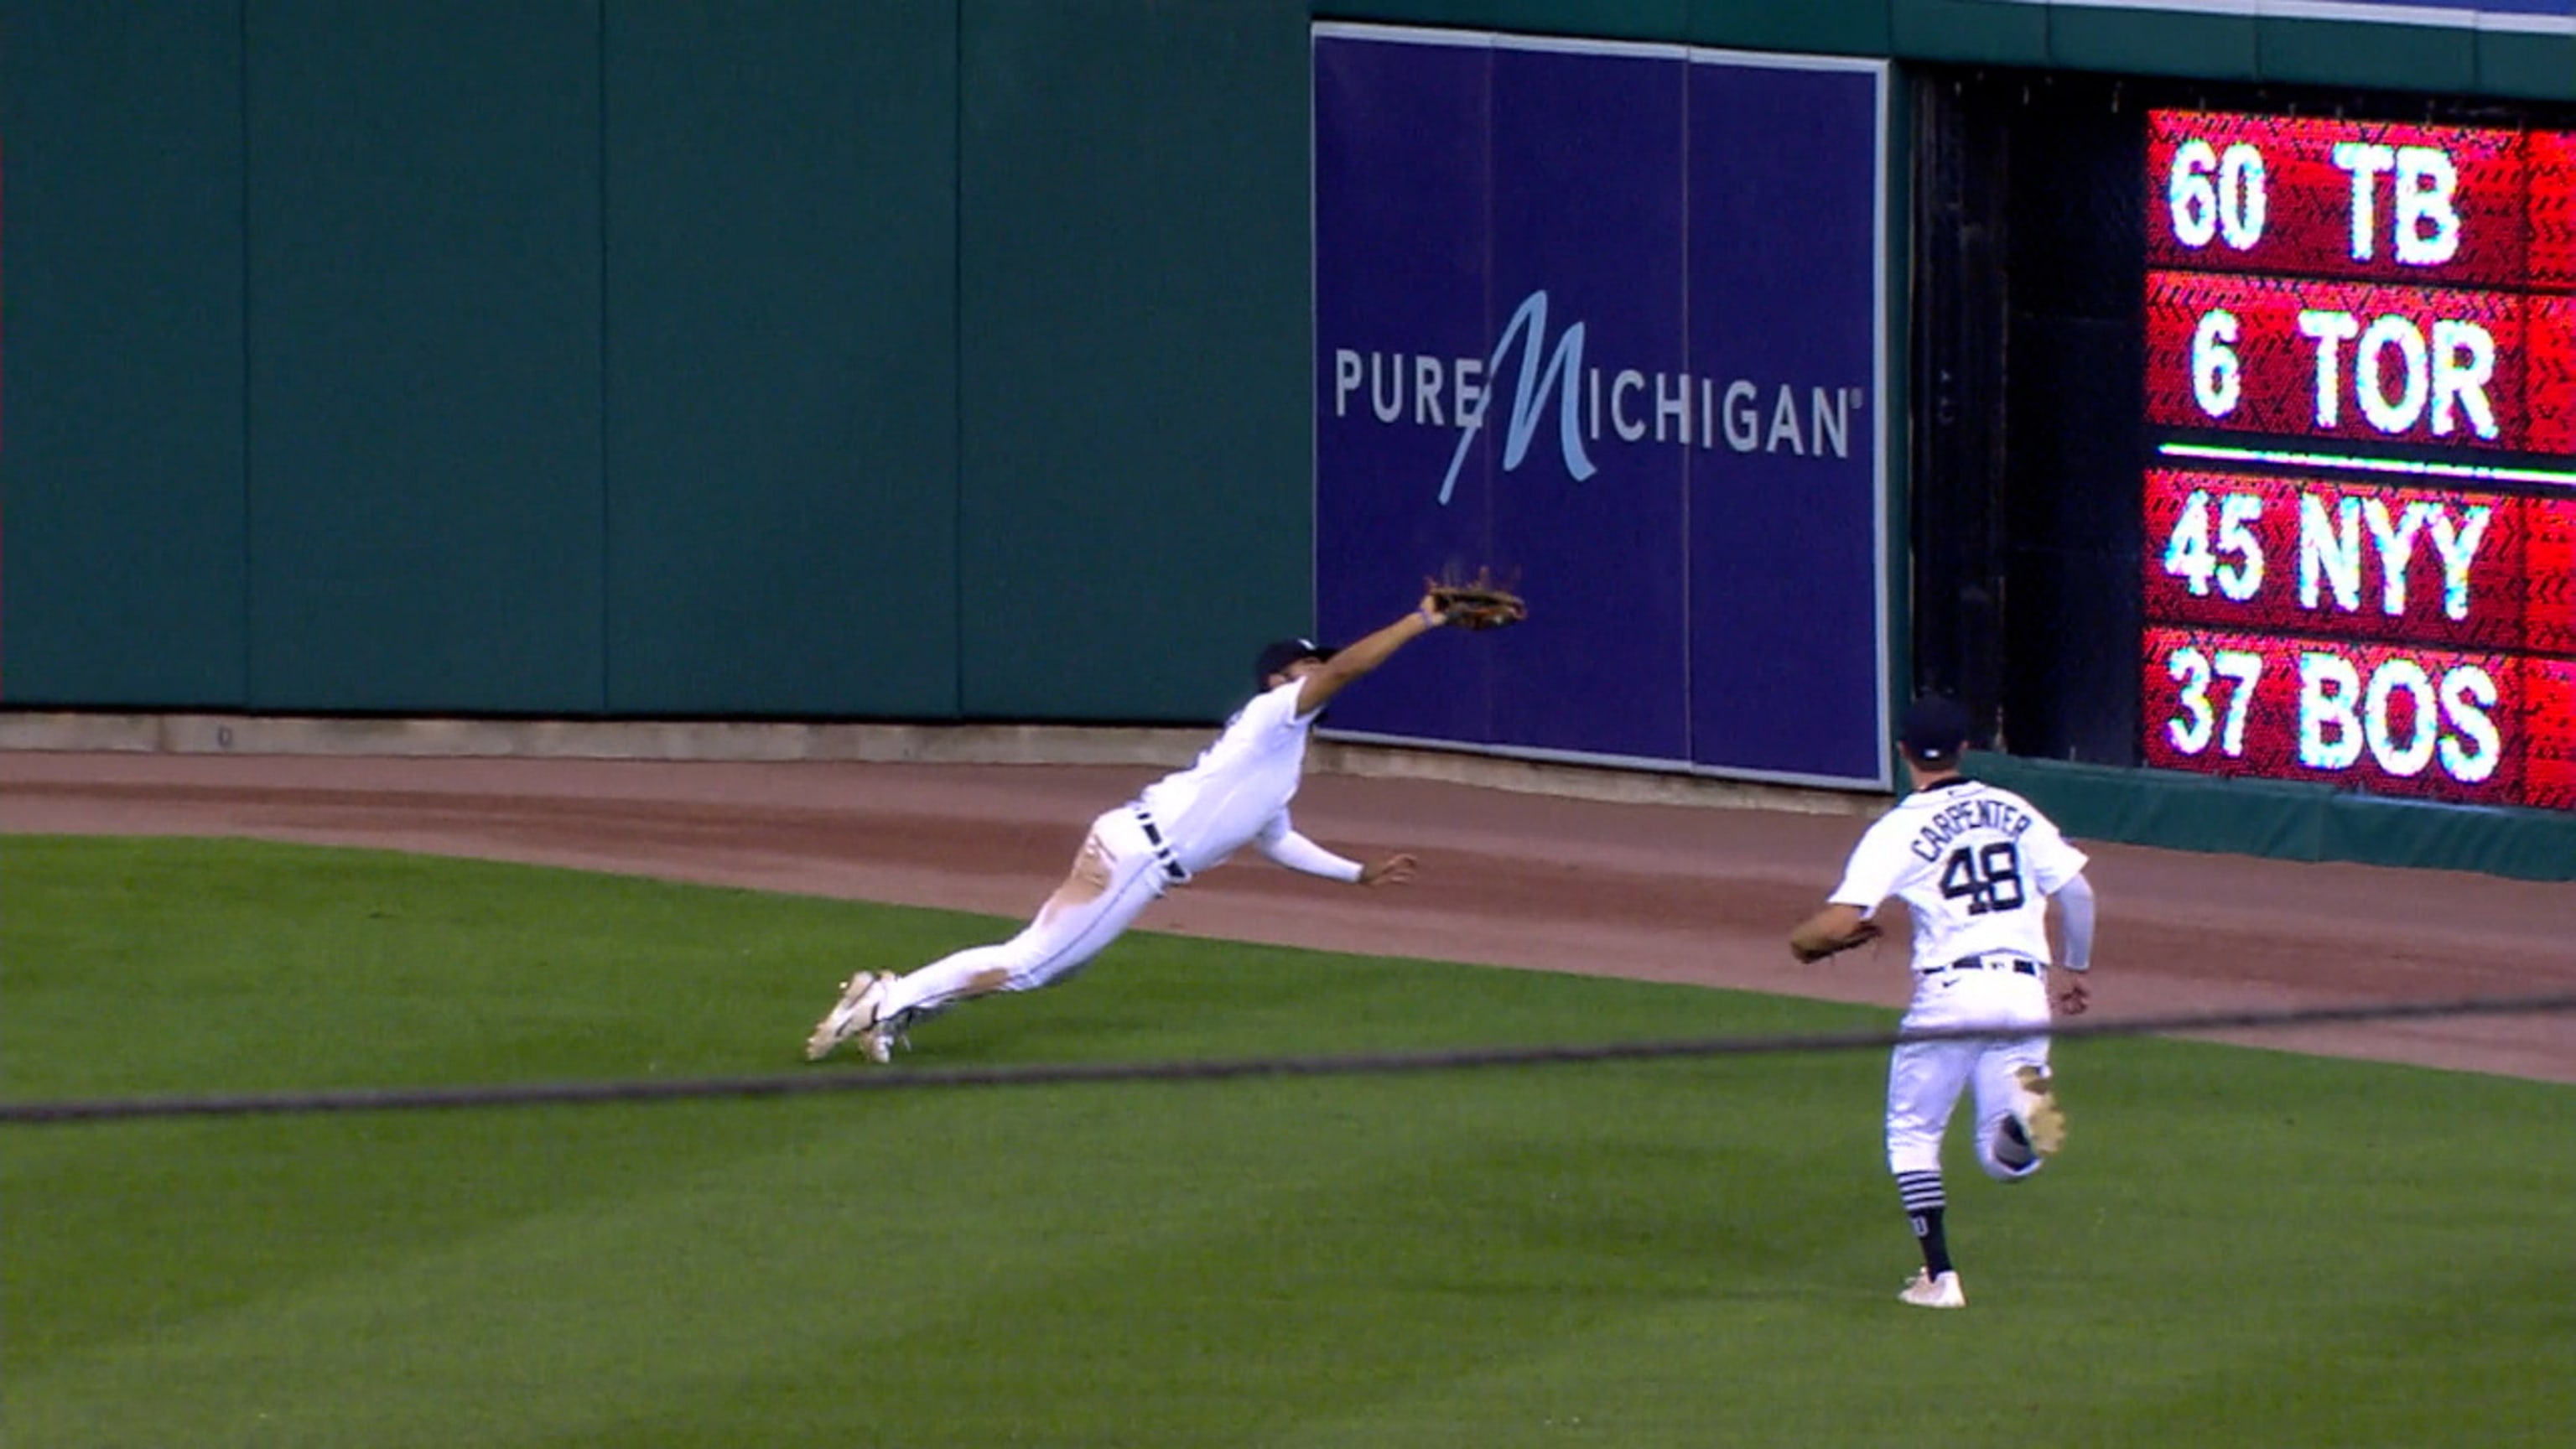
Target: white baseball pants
x=1116, y=876
x=1925, y=1079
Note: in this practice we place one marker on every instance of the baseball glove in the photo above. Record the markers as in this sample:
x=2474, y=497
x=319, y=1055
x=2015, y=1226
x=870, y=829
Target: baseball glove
x=1477, y=603
x=1860, y=935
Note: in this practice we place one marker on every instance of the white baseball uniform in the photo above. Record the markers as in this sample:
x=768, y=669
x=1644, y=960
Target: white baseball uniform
x=1192, y=821
x=1974, y=865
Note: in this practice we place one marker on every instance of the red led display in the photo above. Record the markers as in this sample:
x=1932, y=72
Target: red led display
x=2410, y=565
x=2549, y=374
x=2441, y=724
x=2348, y=199
x=2551, y=209
x=2307, y=359
x=2549, y=575
x=2363, y=299
x=2549, y=742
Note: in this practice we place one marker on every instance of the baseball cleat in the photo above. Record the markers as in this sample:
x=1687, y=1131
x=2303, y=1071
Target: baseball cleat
x=1926, y=1291
x=2034, y=1107
x=2012, y=1145
x=891, y=1031
x=856, y=1014
x=877, y=1042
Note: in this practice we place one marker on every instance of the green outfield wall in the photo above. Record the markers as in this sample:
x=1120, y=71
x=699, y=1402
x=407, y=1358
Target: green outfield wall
x=875, y=359
x=883, y=358
x=878, y=358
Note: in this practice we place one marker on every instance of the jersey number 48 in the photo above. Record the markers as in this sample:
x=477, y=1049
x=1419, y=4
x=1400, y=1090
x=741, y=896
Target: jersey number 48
x=1988, y=878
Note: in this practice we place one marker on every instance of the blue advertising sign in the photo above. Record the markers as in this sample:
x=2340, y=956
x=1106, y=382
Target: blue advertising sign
x=1612, y=319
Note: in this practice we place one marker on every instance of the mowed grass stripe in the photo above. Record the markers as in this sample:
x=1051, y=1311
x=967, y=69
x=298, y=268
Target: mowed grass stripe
x=1016, y=1235
x=2240, y=1246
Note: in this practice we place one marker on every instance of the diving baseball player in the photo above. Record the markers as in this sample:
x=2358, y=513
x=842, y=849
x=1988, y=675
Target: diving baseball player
x=1975, y=866
x=1181, y=826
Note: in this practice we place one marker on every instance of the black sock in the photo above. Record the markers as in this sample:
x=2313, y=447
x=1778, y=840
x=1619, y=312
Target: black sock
x=1924, y=1204
x=1936, y=1248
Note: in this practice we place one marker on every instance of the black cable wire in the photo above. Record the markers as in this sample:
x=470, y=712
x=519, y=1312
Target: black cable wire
x=784, y=1084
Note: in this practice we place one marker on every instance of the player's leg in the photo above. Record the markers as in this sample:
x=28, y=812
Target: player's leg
x=1924, y=1080
x=1114, y=877
x=2019, y=1124
x=1112, y=882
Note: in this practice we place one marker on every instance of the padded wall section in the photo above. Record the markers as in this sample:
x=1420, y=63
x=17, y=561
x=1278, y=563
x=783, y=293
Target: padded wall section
x=782, y=357
x=121, y=451
x=424, y=285
x=1137, y=511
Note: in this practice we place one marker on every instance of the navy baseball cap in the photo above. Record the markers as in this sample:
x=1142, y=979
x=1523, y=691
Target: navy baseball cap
x=1936, y=728
x=1280, y=654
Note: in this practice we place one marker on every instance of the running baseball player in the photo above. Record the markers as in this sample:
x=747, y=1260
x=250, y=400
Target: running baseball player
x=1180, y=827
x=1974, y=865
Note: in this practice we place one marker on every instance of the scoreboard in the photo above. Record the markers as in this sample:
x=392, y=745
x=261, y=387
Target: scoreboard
x=2363, y=362
x=2359, y=512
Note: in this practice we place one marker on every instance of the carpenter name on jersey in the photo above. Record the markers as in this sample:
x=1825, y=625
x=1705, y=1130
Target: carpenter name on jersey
x=1975, y=866
x=1988, y=812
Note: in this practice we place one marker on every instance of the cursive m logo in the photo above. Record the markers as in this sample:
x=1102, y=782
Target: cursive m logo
x=1564, y=368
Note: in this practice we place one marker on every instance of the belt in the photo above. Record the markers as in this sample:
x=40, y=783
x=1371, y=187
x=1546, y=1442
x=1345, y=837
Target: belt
x=1162, y=852
x=2019, y=964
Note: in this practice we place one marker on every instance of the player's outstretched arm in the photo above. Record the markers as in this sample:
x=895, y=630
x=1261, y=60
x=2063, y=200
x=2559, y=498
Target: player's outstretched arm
x=1334, y=674
x=1280, y=841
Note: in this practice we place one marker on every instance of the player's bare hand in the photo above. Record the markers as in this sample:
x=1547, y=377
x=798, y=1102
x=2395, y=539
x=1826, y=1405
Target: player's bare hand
x=2072, y=998
x=1432, y=613
x=1393, y=870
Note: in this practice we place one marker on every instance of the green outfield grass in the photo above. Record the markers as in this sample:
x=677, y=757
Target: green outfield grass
x=2238, y=1248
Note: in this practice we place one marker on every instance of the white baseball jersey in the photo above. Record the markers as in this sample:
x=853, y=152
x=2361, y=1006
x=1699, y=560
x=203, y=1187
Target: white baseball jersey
x=1241, y=783
x=1974, y=865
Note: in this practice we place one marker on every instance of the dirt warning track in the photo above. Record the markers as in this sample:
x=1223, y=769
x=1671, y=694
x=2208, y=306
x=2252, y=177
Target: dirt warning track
x=1664, y=892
